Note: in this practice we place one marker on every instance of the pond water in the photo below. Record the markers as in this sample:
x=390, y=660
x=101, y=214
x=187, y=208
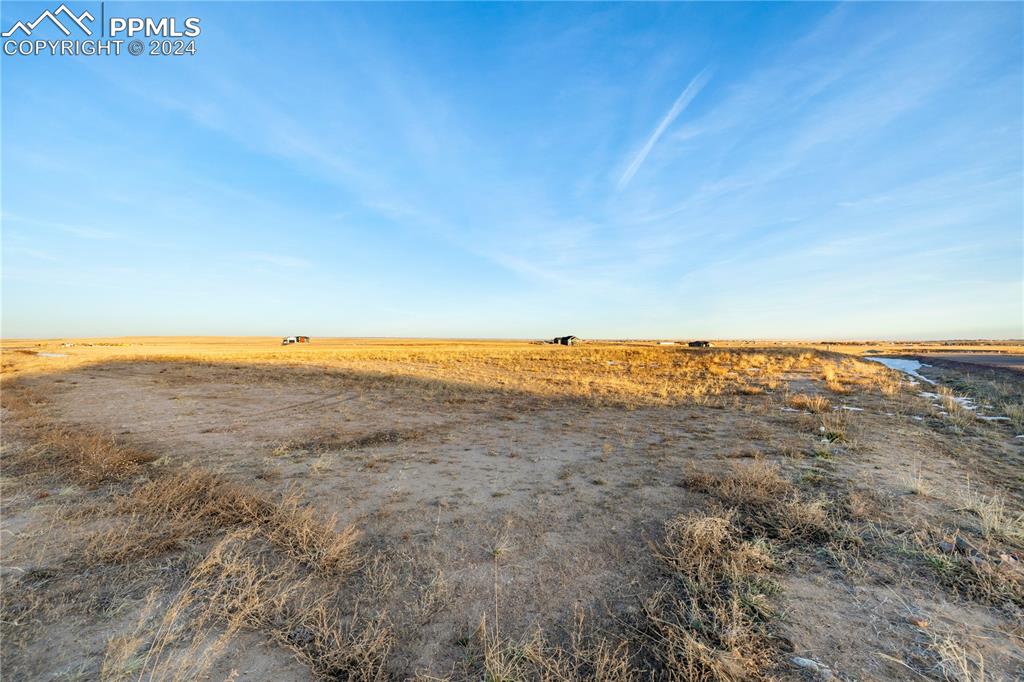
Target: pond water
x=905, y=365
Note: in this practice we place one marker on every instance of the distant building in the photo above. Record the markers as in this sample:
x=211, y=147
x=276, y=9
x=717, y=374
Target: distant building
x=699, y=344
x=666, y=343
x=565, y=340
x=294, y=339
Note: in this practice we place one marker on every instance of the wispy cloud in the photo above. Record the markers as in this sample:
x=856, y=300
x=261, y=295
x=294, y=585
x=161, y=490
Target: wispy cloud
x=276, y=259
x=685, y=97
x=87, y=232
x=81, y=231
x=33, y=253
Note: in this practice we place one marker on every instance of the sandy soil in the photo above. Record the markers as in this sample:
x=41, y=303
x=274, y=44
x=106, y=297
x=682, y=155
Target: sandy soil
x=522, y=508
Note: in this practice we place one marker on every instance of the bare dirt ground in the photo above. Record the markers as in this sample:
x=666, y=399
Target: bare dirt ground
x=210, y=510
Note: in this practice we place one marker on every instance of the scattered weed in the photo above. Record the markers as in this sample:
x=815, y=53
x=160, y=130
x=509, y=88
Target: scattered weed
x=815, y=404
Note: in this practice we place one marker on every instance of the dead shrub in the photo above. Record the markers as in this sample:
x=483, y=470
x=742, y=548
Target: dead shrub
x=711, y=622
x=705, y=548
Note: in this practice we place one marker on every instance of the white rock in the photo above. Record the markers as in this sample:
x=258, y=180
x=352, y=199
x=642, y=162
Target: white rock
x=820, y=670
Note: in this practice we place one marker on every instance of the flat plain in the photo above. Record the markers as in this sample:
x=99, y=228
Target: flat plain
x=377, y=509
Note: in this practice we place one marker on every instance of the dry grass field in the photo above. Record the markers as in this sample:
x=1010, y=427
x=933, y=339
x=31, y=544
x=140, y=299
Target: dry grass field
x=228, y=508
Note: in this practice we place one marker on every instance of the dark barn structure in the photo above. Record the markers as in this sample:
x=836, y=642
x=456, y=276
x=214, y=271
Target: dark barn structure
x=565, y=340
x=699, y=344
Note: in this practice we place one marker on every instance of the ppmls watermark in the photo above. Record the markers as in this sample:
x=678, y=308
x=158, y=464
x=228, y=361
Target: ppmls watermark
x=136, y=36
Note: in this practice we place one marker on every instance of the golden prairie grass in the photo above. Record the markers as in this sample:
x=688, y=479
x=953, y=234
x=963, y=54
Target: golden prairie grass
x=832, y=380
x=629, y=374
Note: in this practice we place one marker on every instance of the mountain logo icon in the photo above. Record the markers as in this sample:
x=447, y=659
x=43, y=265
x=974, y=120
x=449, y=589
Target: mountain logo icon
x=77, y=20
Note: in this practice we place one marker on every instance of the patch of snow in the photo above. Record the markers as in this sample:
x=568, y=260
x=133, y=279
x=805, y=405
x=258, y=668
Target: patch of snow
x=994, y=419
x=851, y=408
x=52, y=355
x=788, y=409
x=904, y=365
x=962, y=401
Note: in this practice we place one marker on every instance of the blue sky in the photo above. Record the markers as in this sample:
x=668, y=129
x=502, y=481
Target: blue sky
x=511, y=170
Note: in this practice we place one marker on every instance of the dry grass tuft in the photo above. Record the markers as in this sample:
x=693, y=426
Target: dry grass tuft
x=956, y=413
x=704, y=548
x=835, y=426
x=980, y=570
x=167, y=511
x=239, y=584
x=833, y=381
x=957, y=661
x=770, y=504
x=815, y=404
x=711, y=623
x=583, y=657
x=92, y=458
x=1015, y=411
x=916, y=483
x=87, y=457
x=331, y=442
x=998, y=521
